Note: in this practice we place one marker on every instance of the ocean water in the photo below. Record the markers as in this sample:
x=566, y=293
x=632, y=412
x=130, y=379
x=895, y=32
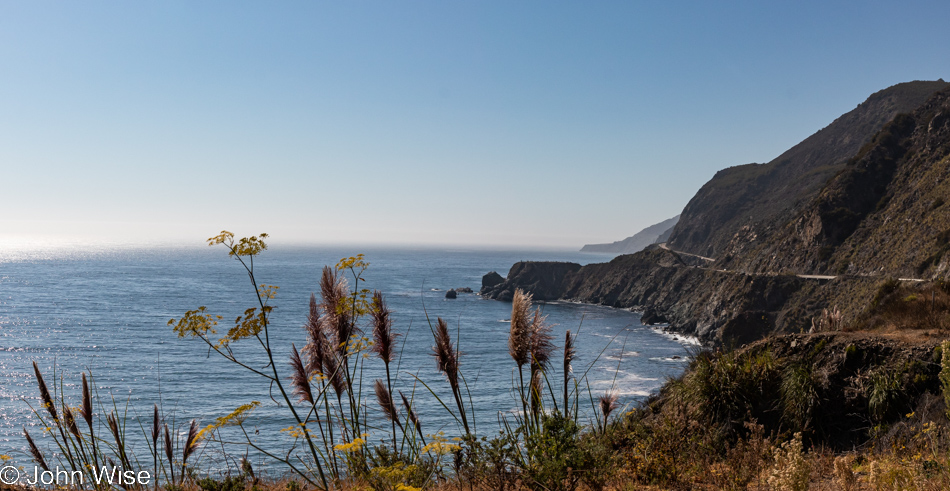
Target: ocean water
x=104, y=311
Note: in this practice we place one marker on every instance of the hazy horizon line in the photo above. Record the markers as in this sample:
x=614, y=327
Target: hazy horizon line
x=22, y=243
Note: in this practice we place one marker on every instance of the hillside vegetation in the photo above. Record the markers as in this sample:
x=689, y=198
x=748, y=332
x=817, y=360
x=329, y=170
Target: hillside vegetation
x=818, y=283
x=861, y=202
x=752, y=199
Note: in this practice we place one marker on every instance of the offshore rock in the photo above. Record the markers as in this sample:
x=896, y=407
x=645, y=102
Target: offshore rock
x=451, y=294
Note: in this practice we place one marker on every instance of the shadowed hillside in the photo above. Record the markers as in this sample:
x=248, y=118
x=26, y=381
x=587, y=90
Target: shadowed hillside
x=883, y=213
x=822, y=237
x=752, y=199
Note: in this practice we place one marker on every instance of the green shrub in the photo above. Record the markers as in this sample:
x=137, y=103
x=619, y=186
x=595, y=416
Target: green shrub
x=886, y=394
x=945, y=373
x=555, y=460
x=798, y=395
x=228, y=483
x=887, y=287
x=724, y=388
x=489, y=463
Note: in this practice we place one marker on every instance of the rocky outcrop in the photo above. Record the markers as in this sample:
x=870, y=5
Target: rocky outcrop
x=696, y=301
x=650, y=317
x=875, y=213
x=451, y=294
x=490, y=280
x=545, y=280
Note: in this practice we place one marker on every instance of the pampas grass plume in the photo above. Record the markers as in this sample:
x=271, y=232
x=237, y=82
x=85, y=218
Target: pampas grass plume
x=44, y=394
x=299, y=378
x=383, y=334
x=191, y=443
x=540, y=342
x=413, y=417
x=445, y=355
x=385, y=400
x=35, y=452
x=608, y=402
x=519, y=337
x=86, y=410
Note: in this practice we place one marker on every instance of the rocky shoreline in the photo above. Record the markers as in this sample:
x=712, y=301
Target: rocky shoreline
x=720, y=308
x=768, y=248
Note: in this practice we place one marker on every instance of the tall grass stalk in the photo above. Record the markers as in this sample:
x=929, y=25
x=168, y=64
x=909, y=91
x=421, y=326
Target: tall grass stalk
x=322, y=388
x=102, y=444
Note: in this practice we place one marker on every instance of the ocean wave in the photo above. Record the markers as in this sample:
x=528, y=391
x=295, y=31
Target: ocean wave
x=622, y=356
x=678, y=337
x=670, y=359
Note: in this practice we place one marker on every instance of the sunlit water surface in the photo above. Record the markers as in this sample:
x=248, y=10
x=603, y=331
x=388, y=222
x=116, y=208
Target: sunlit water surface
x=104, y=310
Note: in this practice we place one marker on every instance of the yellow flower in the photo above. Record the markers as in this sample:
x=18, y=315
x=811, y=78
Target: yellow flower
x=195, y=323
x=237, y=416
x=297, y=431
x=268, y=292
x=353, y=446
x=207, y=429
x=439, y=446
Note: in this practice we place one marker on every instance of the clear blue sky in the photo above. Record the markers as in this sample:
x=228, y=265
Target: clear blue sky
x=505, y=123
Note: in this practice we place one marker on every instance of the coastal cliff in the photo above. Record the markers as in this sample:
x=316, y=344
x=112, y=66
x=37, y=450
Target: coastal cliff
x=719, y=307
x=833, y=221
x=754, y=199
x=544, y=279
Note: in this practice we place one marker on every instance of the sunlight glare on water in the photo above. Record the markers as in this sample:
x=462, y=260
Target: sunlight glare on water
x=104, y=310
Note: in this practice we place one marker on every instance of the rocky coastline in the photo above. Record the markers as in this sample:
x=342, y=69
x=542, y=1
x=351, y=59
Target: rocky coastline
x=729, y=276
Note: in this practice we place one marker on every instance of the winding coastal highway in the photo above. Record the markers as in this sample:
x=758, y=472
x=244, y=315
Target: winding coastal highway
x=820, y=277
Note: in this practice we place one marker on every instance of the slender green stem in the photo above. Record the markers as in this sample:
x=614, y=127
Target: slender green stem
x=276, y=376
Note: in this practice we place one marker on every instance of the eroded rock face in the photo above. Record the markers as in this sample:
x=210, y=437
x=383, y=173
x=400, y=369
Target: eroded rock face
x=883, y=214
x=651, y=317
x=850, y=204
x=765, y=196
x=491, y=279
x=697, y=301
x=545, y=280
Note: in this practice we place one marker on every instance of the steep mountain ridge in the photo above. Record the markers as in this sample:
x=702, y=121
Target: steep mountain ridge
x=880, y=215
x=884, y=213
x=750, y=199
